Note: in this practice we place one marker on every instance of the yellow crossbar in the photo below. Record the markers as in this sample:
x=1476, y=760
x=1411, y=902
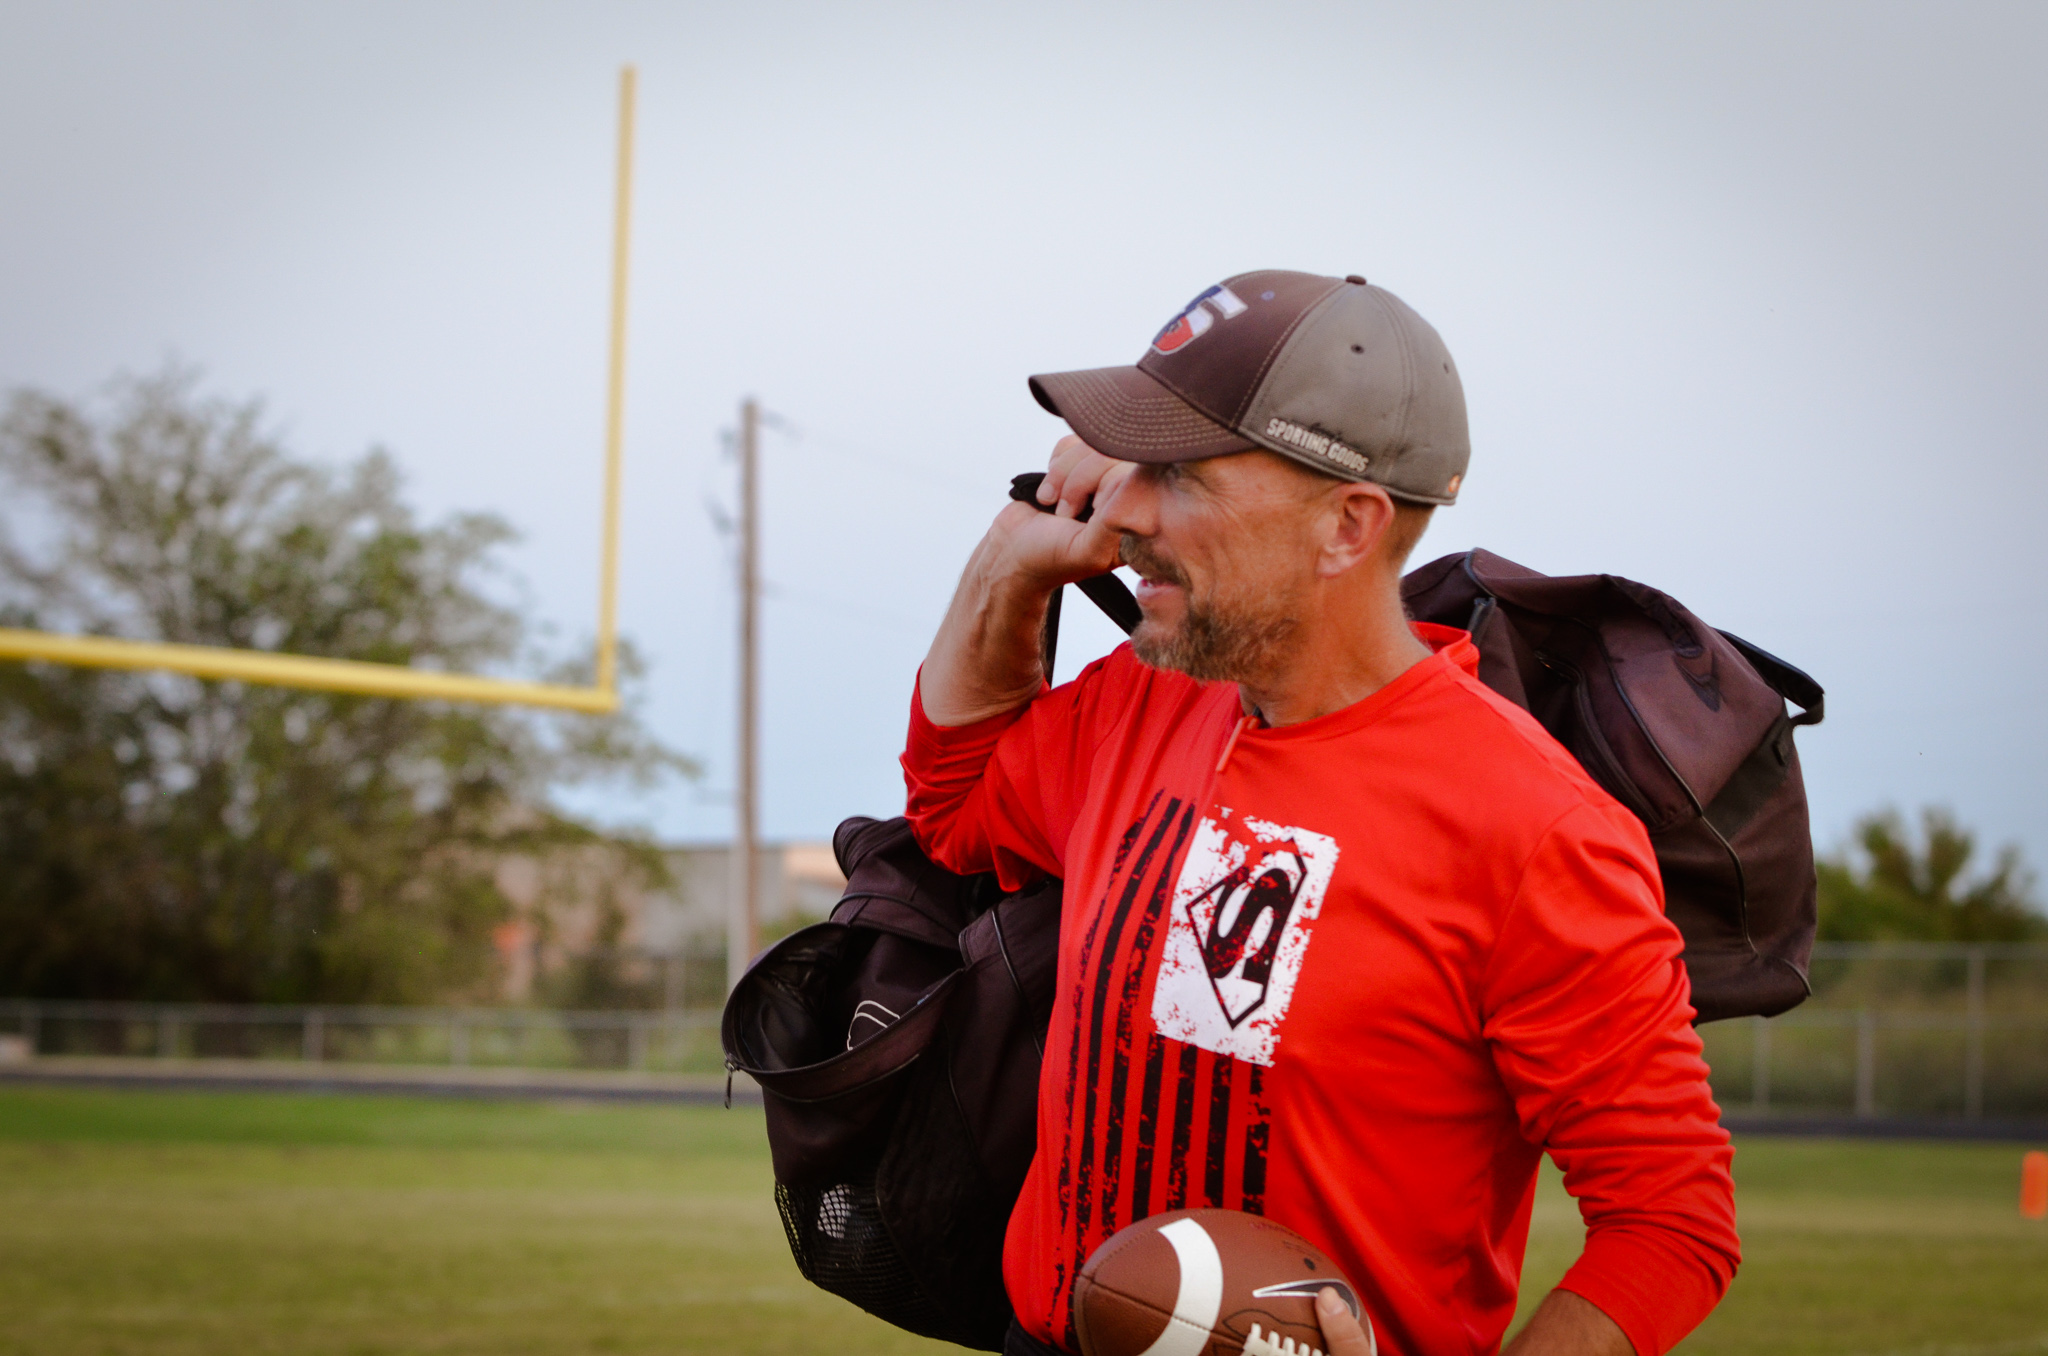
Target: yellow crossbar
x=291, y=670
x=396, y=680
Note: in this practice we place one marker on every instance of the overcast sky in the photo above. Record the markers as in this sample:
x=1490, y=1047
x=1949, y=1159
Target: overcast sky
x=1748, y=301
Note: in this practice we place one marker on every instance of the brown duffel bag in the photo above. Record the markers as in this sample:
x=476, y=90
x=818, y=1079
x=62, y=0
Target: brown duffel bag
x=1683, y=724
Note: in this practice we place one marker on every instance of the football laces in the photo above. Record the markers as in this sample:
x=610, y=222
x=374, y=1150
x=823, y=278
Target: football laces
x=1273, y=1344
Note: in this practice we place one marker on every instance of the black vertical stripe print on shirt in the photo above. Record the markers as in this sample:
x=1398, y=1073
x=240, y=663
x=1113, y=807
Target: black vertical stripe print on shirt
x=1105, y=967
x=1134, y=968
x=1123, y=852
x=1183, y=1128
x=1148, y=1127
x=1218, y=1146
x=1256, y=1135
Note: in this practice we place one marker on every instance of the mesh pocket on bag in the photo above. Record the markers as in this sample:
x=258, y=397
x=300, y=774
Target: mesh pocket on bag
x=840, y=1244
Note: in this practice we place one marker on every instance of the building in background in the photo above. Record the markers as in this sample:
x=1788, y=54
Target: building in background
x=587, y=932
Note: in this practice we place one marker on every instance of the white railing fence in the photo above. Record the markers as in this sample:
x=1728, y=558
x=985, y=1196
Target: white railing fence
x=1926, y=1031
x=678, y=1041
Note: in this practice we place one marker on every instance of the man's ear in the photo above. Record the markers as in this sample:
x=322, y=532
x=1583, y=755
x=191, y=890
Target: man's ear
x=1360, y=518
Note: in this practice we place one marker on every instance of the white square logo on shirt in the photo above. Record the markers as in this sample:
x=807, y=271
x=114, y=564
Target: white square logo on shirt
x=1242, y=911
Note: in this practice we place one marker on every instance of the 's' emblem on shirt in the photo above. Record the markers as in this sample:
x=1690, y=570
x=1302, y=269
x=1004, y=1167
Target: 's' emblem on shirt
x=1243, y=911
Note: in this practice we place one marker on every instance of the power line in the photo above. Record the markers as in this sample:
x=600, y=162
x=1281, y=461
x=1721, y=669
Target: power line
x=924, y=473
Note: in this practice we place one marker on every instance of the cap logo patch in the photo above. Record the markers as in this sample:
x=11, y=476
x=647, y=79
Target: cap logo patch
x=1194, y=320
x=1320, y=444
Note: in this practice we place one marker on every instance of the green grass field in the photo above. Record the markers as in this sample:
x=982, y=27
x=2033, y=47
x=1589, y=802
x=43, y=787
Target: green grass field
x=207, y=1224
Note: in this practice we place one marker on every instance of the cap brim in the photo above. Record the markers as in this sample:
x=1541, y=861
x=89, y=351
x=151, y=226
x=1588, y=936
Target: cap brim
x=1122, y=413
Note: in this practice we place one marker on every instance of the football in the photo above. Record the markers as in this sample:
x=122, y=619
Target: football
x=1206, y=1283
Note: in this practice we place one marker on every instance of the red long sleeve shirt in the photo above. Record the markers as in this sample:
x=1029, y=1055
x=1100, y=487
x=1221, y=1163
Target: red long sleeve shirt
x=1359, y=979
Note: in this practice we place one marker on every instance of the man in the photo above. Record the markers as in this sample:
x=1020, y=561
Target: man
x=1348, y=940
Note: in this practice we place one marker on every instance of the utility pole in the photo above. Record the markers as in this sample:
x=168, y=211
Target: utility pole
x=743, y=927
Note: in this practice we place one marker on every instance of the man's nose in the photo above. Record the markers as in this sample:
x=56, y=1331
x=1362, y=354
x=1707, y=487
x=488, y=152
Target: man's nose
x=1132, y=509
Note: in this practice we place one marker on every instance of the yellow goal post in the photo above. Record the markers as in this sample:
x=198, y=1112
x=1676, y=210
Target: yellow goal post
x=397, y=680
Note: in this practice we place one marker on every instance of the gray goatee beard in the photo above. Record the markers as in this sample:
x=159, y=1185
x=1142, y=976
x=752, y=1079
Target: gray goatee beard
x=1221, y=640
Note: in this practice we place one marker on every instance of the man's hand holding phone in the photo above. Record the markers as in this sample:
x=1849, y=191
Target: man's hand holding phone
x=985, y=658
x=1039, y=550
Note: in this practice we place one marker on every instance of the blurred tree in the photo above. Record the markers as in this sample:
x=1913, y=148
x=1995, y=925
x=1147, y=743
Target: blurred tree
x=1890, y=889
x=167, y=838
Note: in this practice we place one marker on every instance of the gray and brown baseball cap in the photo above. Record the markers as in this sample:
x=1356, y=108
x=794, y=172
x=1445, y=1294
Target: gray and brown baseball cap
x=1334, y=373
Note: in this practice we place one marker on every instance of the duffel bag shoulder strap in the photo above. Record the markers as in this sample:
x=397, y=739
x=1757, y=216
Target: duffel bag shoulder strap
x=1106, y=591
x=1792, y=683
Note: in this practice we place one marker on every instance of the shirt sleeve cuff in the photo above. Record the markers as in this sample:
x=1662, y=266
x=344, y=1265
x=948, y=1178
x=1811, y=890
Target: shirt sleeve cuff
x=1654, y=1286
